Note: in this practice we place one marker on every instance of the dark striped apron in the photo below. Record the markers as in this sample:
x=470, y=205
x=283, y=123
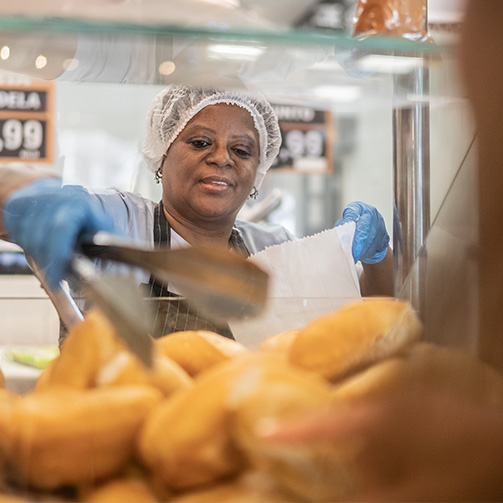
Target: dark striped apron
x=172, y=312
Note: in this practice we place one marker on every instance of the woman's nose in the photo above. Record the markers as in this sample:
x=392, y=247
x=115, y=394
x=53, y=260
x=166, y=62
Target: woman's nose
x=220, y=155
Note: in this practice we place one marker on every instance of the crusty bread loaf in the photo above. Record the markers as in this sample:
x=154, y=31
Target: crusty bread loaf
x=125, y=489
x=191, y=439
x=185, y=442
x=321, y=471
x=94, y=356
x=65, y=436
x=7, y=401
x=125, y=369
x=13, y=498
x=87, y=347
x=44, y=378
x=249, y=487
x=425, y=366
x=198, y=350
x=356, y=335
x=279, y=344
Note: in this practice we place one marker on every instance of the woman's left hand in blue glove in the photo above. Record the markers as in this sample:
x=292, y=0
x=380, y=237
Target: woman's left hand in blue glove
x=371, y=238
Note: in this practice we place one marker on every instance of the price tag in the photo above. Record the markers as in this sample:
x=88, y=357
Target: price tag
x=26, y=121
x=24, y=139
x=307, y=136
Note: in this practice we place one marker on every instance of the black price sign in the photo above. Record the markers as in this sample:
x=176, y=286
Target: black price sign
x=24, y=139
x=26, y=122
x=306, y=139
x=23, y=100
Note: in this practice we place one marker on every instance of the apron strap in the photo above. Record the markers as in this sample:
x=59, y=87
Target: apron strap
x=162, y=239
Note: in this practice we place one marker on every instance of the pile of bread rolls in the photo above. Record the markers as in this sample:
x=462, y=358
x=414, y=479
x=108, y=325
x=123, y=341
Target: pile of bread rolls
x=101, y=427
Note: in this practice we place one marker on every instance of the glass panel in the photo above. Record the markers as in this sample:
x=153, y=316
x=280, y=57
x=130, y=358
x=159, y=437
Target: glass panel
x=291, y=63
x=446, y=292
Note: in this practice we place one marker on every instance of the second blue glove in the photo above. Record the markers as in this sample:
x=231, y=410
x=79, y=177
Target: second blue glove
x=371, y=238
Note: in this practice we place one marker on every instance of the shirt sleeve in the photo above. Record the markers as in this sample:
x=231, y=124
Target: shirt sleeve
x=133, y=215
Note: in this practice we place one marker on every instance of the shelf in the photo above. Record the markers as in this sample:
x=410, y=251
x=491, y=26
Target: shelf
x=294, y=65
x=221, y=32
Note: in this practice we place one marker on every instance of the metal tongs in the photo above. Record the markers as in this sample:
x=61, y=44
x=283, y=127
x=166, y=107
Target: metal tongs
x=221, y=285
x=118, y=298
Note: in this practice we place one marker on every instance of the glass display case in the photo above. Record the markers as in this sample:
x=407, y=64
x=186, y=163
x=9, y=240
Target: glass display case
x=407, y=88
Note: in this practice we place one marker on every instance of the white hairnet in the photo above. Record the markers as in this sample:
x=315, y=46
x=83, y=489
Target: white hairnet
x=173, y=108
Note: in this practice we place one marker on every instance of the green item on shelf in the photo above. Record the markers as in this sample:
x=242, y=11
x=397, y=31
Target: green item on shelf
x=34, y=356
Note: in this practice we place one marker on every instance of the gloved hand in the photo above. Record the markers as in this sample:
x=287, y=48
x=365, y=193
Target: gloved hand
x=47, y=220
x=371, y=238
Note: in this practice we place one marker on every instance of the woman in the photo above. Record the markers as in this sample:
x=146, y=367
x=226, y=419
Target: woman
x=211, y=150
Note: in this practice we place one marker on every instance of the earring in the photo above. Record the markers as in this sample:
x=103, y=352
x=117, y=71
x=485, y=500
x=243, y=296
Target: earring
x=158, y=175
x=254, y=193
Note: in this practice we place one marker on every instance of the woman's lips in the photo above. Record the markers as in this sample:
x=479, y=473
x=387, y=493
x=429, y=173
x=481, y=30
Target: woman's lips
x=216, y=182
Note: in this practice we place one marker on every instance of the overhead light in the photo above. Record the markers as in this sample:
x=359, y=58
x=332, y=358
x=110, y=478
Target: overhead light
x=338, y=93
x=233, y=4
x=167, y=68
x=380, y=63
x=40, y=62
x=235, y=51
x=70, y=64
x=5, y=52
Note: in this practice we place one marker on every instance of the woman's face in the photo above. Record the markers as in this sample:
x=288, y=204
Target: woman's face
x=210, y=168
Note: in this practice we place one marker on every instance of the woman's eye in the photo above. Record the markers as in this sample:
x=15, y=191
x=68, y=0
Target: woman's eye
x=242, y=153
x=199, y=143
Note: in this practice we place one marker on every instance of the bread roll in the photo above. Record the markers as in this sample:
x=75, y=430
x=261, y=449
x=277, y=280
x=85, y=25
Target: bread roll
x=44, y=379
x=125, y=369
x=279, y=344
x=13, y=498
x=355, y=336
x=68, y=437
x=186, y=440
x=190, y=439
x=93, y=355
x=313, y=472
x=125, y=489
x=88, y=346
x=425, y=366
x=7, y=401
x=250, y=487
x=198, y=350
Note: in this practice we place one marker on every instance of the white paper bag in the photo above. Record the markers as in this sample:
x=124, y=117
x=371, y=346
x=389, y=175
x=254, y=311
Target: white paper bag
x=307, y=278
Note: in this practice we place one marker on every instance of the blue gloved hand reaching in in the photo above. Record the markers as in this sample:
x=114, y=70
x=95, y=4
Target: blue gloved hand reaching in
x=371, y=238
x=47, y=221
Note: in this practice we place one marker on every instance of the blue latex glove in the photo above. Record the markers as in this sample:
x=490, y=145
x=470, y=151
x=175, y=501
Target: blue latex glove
x=47, y=220
x=371, y=238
